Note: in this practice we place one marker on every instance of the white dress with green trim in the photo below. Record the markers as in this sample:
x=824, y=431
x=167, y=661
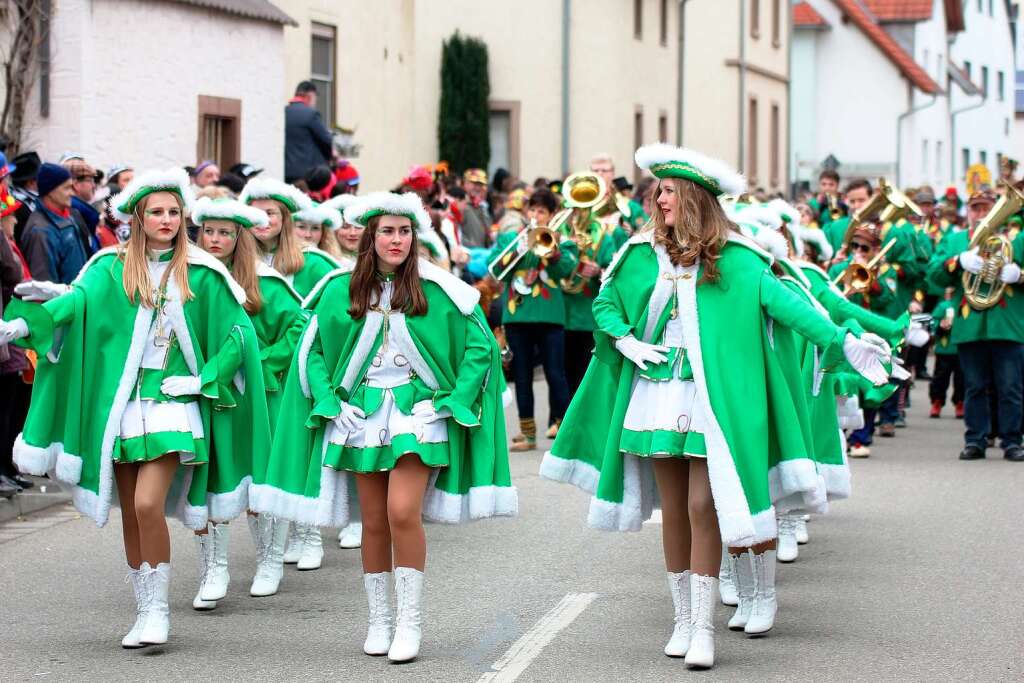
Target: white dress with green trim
x=387, y=395
x=664, y=418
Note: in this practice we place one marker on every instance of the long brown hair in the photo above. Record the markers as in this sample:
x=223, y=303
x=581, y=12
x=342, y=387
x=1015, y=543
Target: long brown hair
x=243, y=267
x=288, y=259
x=135, y=277
x=701, y=228
x=366, y=287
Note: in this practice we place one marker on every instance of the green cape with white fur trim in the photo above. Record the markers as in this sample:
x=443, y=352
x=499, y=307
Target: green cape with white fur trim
x=88, y=365
x=756, y=436
x=329, y=365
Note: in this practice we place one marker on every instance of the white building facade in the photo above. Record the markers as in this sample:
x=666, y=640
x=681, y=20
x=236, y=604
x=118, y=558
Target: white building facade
x=172, y=82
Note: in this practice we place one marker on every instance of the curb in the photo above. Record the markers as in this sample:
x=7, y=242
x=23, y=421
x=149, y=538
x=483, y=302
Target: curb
x=28, y=502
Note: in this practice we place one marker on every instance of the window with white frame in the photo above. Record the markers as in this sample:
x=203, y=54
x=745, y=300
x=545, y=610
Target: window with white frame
x=323, y=70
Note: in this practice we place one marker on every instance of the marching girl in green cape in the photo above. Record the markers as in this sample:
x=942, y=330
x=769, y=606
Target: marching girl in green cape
x=302, y=266
x=397, y=382
x=687, y=399
x=348, y=235
x=149, y=377
x=278, y=318
x=316, y=227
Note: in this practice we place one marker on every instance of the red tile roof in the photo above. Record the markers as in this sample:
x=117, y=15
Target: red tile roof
x=900, y=10
x=804, y=15
x=855, y=12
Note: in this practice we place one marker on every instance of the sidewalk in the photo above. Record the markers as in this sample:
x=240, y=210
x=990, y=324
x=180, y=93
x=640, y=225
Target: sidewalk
x=46, y=493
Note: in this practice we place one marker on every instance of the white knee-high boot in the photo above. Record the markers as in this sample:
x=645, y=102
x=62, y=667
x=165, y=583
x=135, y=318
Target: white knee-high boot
x=272, y=535
x=743, y=573
x=204, y=549
x=217, y=578
x=155, y=583
x=131, y=639
x=762, y=615
x=679, y=586
x=293, y=548
x=312, y=555
x=787, y=545
x=380, y=628
x=701, y=654
x=801, y=529
x=409, y=627
x=726, y=582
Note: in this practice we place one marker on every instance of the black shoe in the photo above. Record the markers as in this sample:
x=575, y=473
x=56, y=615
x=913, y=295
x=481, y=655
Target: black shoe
x=923, y=375
x=23, y=482
x=9, y=482
x=972, y=452
x=1014, y=454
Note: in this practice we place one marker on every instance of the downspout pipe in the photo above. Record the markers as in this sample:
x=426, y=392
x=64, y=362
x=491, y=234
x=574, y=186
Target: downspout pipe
x=566, y=16
x=952, y=132
x=681, y=76
x=899, y=132
x=743, y=87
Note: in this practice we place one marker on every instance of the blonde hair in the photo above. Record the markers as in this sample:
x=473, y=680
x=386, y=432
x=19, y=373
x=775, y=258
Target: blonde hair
x=135, y=277
x=602, y=158
x=329, y=242
x=288, y=258
x=243, y=267
x=214, y=192
x=701, y=228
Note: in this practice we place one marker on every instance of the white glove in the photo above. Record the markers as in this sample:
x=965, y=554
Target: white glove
x=899, y=373
x=640, y=352
x=971, y=262
x=875, y=340
x=1010, y=274
x=424, y=410
x=15, y=329
x=181, y=385
x=866, y=359
x=40, y=290
x=350, y=418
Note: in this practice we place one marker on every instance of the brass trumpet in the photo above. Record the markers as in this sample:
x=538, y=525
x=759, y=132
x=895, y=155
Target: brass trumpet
x=833, y=205
x=983, y=290
x=541, y=240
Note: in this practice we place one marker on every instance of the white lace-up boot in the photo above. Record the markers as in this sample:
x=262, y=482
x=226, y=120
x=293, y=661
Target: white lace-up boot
x=272, y=536
x=155, y=583
x=204, y=549
x=293, y=550
x=380, y=629
x=217, y=578
x=726, y=583
x=131, y=639
x=787, y=544
x=701, y=654
x=409, y=626
x=351, y=536
x=801, y=529
x=312, y=555
x=762, y=616
x=743, y=574
x=679, y=586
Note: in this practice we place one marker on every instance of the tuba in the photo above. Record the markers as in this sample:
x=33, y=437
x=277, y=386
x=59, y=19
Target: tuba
x=983, y=290
x=879, y=202
x=583, y=193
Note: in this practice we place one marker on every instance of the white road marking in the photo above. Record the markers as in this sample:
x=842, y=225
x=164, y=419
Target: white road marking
x=514, y=662
x=655, y=517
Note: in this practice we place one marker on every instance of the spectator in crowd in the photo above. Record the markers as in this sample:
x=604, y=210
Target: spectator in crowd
x=348, y=177
x=83, y=182
x=55, y=241
x=206, y=173
x=6, y=168
x=111, y=231
x=320, y=181
x=245, y=171
x=22, y=183
x=307, y=142
x=14, y=392
x=118, y=177
x=230, y=181
x=476, y=221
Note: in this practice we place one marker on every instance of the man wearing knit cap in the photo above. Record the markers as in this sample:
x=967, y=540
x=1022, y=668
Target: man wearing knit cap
x=476, y=223
x=55, y=241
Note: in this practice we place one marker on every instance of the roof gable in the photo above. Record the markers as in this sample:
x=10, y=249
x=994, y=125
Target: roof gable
x=805, y=16
x=261, y=10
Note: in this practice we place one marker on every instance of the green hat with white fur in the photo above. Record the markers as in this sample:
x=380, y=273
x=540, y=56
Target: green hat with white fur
x=171, y=180
x=322, y=215
x=669, y=161
x=240, y=214
x=408, y=204
x=268, y=188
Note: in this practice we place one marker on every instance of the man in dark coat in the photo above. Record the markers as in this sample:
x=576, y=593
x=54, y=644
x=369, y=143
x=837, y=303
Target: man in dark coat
x=55, y=241
x=307, y=142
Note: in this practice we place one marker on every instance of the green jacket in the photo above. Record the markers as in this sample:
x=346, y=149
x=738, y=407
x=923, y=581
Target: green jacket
x=943, y=338
x=756, y=435
x=452, y=351
x=316, y=265
x=883, y=298
x=1005, y=320
x=578, y=307
x=533, y=293
x=90, y=344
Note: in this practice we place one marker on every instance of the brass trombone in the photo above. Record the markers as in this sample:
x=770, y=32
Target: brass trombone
x=984, y=289
x=857, y=278
x=541, y=240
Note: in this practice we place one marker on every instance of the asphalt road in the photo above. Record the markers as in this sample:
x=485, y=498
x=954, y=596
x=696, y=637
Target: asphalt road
x=916, y=577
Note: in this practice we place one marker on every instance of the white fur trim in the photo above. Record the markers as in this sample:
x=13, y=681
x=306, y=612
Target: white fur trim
x=464, y=296
x=340, y=270
x=796, y=484
x=229, y=210
x=341, y=202
x=224, y=507
x=264, y=270
x=92, y=259
x=744, y=241
x=576, y=472
x=305, y=345
x=171, y=179
x=200, y=257
x=69, y=468
x=760, y=215
x=728, y=180
x=766, y=238
x=817, y=237
x=785, y=211
x=403, y=340
x=322, y=215
x=371, y=328
x=643, y=237
x=837, y=480
x=266, y=188
x=407, y=204
x=480, y=502
x=664, y=289
x=639, y=498
x=35, y=460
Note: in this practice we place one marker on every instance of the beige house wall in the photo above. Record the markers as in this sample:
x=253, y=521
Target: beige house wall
x=389, y=61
